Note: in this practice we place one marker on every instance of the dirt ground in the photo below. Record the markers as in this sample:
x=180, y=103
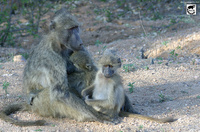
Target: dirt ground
x=168, y=86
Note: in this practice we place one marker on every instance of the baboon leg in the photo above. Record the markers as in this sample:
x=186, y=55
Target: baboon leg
x=87, y=91
x=10, y=109
x=87, y=113
x=128, y=106
x=73, y=107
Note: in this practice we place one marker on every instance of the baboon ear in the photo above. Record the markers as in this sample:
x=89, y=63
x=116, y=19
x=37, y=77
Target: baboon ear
x=52, y=25
x=89, y=67
x=119, y=61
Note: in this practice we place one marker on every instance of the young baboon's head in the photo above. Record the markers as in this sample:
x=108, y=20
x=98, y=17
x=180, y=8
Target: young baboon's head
x=82, y=60
x=66, y=28
x=109, y=63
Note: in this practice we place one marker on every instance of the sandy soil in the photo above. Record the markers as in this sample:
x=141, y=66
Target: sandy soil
x=161, y=90
x=169, y=87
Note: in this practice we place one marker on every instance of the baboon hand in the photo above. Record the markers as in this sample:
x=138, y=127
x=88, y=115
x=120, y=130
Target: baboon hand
x=87, y=97
x=84, y=95
x=87, y=100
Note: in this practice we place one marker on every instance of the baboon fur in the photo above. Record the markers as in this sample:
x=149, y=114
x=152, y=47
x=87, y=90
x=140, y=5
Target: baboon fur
x=46, y=70
x=45, y=80
x=107, y=94
x=86, y=72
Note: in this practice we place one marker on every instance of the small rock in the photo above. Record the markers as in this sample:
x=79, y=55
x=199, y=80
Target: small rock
x=167, y=108
x=120, y=22
x=6, y=75
x=121, y=126
x=19, y=58
x=120, y=10
x=197, y=61
x=90, y=29
x=151, y=60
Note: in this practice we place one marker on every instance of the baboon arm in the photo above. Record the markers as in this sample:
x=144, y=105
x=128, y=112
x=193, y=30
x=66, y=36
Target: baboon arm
x=87, y=91
x=163, y=120
x=60, y=91
x=101, y=103
x=74, y=91
x=79, y=106
x=4, y=115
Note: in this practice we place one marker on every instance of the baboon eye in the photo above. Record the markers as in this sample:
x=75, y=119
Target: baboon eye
x=119, y=60
x=52, y=25
x=108, y=66
x=88, y=66
x=73, y=28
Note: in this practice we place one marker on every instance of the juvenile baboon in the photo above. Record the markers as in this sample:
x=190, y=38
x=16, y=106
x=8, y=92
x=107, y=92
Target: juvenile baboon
x=106, y=95
x=46, y=68
x=86, y=72
x=66, y=53
x=83, y=61
x=45, y=78
x=107, y=91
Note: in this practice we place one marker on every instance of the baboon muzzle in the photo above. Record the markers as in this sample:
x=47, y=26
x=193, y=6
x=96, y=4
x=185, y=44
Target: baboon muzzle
x=107, y=72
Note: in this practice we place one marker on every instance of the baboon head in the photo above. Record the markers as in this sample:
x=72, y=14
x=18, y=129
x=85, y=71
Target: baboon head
x=82, y=60
x=66, y=28
x=109, y=63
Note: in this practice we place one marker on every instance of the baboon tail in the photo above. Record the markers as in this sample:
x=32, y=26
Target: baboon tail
x=10, y=109
x=163, y=120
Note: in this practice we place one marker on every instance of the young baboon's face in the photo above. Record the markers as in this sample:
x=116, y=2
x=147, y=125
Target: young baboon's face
x=83, y=61
x=109, y=65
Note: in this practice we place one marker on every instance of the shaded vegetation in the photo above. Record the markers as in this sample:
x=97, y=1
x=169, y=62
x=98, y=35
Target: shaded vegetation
x=12, y=12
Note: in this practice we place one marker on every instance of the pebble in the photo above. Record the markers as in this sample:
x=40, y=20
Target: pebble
x=6, y=75
x=19, y=58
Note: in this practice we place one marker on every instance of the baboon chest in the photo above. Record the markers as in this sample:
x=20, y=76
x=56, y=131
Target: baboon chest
x=103, y=90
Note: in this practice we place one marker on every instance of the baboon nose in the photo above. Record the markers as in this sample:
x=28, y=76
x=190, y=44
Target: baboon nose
x=81, y=46
x=80, y=43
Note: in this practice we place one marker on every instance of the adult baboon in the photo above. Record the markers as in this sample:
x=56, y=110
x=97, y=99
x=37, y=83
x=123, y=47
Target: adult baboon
x=106, y=95
x=46, y=70
x=45, y=78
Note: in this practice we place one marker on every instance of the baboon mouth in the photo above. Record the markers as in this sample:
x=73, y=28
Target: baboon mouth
x=63, y=46
x=108, y=76
x=77, y=48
